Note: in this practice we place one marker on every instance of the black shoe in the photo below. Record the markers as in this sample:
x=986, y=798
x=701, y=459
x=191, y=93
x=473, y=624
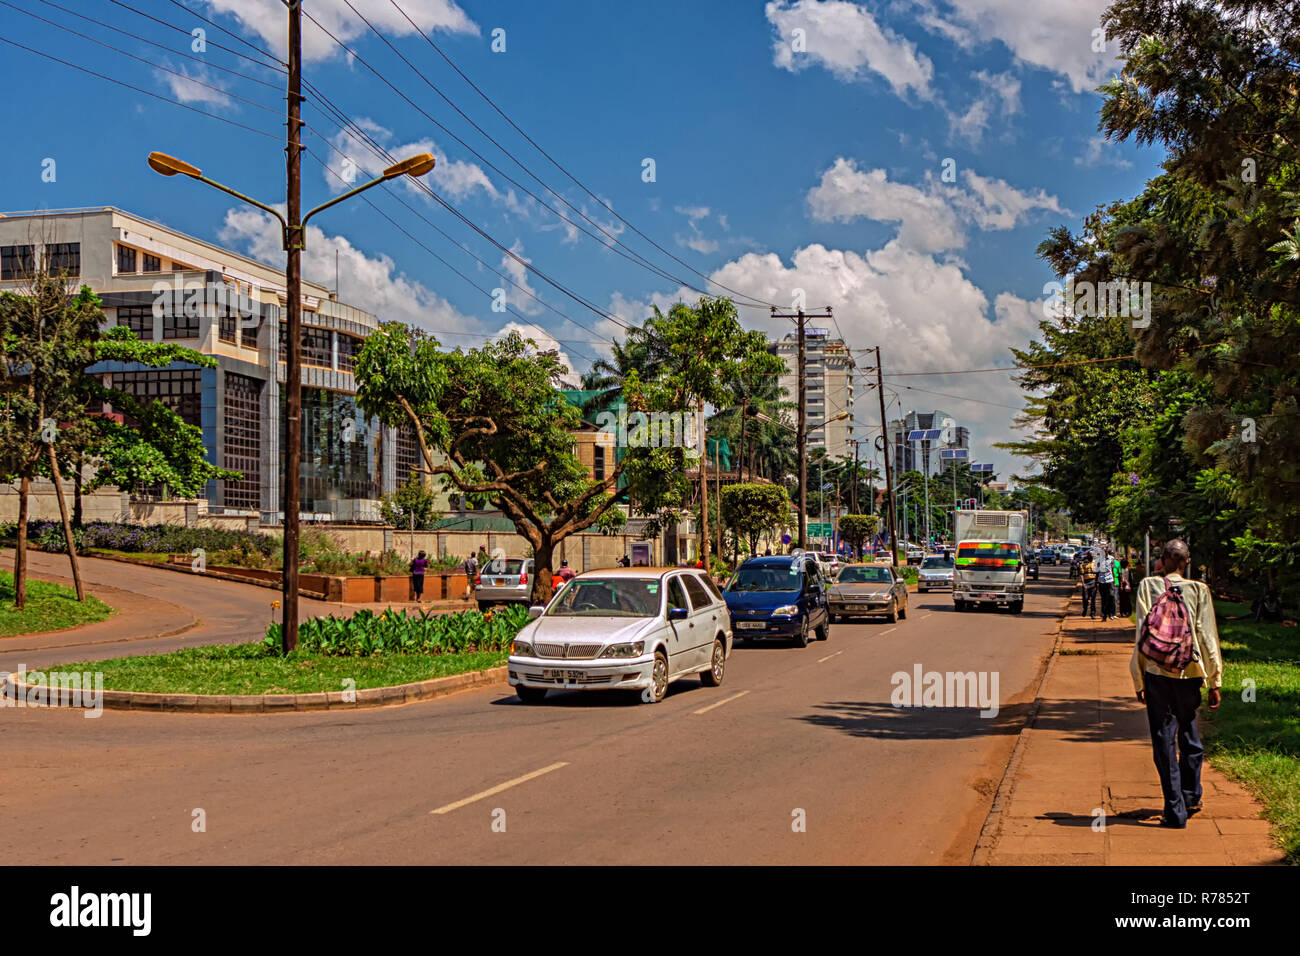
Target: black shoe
x=1170, y=823
x=1194, y=808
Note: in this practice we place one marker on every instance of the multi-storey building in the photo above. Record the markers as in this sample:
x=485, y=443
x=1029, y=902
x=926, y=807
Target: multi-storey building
x=169, y=287
x=923, y=456
x=828, y=384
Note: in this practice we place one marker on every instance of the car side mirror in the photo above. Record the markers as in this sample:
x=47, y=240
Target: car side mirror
x=677, y=613
x=536, y=610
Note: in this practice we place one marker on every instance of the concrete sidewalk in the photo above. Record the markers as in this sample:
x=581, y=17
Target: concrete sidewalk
x=1087, y=752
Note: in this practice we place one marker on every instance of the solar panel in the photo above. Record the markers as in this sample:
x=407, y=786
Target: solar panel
x=988, y=467
x=924, y=434
x=916, y=434
x=950, y=454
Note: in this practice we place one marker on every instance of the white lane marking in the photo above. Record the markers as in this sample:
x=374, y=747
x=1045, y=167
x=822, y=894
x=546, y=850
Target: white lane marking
x=890, y=631
x=498, y=788
x=829, y=656
x=925, y=615
x=725, y=700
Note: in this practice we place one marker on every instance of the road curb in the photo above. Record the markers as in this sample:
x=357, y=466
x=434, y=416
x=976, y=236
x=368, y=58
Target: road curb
x=40, y=695
x=992, y=828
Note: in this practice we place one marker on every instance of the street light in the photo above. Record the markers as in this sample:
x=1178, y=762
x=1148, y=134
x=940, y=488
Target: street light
x=294, y=236
x=803, y=520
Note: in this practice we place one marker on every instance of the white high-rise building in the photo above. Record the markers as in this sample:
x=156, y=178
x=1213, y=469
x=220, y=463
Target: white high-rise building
x=828, y=381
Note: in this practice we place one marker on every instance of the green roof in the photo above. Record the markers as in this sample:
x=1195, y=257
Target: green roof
x=474, y=522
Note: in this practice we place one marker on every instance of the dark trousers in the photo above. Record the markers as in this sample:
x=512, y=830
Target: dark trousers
x=1107, y=598
x=1125, y=602
x=417, y=585
x=1175, y=743
x=1089, y=599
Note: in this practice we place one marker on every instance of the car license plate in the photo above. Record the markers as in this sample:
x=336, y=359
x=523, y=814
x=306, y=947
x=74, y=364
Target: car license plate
x=499, y=582
x=562, y=675
x=750, y=625
x=993, y=597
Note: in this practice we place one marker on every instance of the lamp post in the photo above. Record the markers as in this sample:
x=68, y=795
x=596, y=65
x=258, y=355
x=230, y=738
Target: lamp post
x=807, y=428
x=294, y=236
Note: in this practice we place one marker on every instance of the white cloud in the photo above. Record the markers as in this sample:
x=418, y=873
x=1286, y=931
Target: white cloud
x=352, y=161
x=520, y=294
x=194, y=87
x=368, y=283
x=845, y=38
x=267, y=19
x=1099, y=152
x=998, y=89
x=931, y=219
x=543, y=342
x=1056, y=36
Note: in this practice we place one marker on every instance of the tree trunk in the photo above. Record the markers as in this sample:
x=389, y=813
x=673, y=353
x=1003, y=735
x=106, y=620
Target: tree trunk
x=543, y=569
x=76, y=493
x=704, y=489
x=20, y=548
x=67, y=525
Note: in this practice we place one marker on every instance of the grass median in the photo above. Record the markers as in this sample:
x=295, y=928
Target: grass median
x=1258, y=741
x=256, y=669
x=50, y=607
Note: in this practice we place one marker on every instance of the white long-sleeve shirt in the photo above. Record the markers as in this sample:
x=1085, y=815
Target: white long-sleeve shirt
x=1200, y=611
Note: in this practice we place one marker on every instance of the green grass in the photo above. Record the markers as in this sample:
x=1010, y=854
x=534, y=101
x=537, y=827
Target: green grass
x=157, y=557
x=50, y=607
x=1258, y=743
x=253, y=669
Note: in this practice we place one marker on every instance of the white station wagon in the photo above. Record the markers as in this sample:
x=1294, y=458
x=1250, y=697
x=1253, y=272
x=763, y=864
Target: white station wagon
x=624, y=628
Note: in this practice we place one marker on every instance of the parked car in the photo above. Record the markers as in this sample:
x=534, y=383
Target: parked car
x=504, y=581
x=782, y=597
x=862, y=590
x=623, y=628
x=830, y=564
x=935, y=572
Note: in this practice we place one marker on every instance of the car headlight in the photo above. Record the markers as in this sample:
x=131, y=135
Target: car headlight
x=789, y=609
x=634, y=649
x=522, y=649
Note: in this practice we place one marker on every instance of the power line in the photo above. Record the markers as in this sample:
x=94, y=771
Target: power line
x=427, y=36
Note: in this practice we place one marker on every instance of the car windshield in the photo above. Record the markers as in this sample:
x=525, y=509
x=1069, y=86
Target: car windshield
x=861, y=574
x=504, y=566
x=766, y=579
x=607, y=597
x=988, y=554
x=931, y=564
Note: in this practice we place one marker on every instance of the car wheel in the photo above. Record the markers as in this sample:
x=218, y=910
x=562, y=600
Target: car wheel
x=659, y=680
x=801, y=640
x=959, y=605
x=1017, y=607
x=834, y=618
x=902, y=612
x=893, y=612
x=824, y=632
x=718, y=666
x=530, y=695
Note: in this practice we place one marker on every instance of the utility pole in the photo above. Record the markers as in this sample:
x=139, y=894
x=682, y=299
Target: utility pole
x=853, y=491
x=802, y=427
x=293, y=361
x=889, y=469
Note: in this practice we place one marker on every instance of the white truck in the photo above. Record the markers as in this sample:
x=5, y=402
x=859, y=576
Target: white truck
x=990, y=560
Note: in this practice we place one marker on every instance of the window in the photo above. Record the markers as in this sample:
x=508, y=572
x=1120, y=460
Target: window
x=676, y=596
x=125, y=260
x=151, y=263
x=17, y=262
x=317, y=346
x=408, y=454
x=63, y=258
x=598, y=462
x=349, y=349
x=699, y=597
x=181, y=390
x=137, y=318
x=242, y=441
x=180, y=326
x=226, y=325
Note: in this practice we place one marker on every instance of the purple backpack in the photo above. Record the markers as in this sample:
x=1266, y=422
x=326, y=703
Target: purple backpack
x=1167, y=637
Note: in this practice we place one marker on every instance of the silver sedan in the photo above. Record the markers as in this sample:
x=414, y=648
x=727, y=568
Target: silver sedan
x=863, y=590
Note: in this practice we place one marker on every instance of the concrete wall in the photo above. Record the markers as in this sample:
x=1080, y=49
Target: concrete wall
x=584, y=551
x=43, y=503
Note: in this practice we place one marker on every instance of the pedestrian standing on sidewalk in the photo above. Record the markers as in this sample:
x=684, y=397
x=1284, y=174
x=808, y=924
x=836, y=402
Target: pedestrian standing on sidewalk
x=1105, y=582
x=1125, y=583
x=1172, y=658
x=1088, y=584
x=419, y=564
x=471, y=576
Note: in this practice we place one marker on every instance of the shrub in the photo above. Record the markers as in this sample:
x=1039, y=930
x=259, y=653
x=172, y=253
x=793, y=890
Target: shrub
x=366, y=634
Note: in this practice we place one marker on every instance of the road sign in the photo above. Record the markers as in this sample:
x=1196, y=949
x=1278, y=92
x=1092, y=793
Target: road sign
x=820, y=529
x=785, y=539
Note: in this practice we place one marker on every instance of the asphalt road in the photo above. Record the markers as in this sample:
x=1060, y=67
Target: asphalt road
x=798, y=757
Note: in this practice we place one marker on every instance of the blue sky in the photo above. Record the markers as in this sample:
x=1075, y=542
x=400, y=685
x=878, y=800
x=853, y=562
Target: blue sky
x=796, y=145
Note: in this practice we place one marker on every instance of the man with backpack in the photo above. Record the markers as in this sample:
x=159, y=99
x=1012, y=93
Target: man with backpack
x=1177, y=650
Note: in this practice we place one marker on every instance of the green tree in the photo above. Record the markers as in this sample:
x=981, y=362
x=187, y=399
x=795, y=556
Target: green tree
x=754, y=510
x=413, y=505
x=857, y=529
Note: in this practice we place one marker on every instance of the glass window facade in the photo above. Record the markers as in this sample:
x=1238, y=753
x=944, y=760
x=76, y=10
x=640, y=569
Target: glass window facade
x=408, y=454
x=242, y=440
x=226, y=325
x=181, y=390
x=349, y=349
x=17, y=262
x=137, y=318
x=317, y=346
x=125, y=260
x=180, y=326
x=339, y=460
x=63, y=258
x=151, y=263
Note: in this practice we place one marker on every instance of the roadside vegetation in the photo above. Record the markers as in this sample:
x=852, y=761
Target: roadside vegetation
x=50, y=607
x=1258, y=741
x=374, y=650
